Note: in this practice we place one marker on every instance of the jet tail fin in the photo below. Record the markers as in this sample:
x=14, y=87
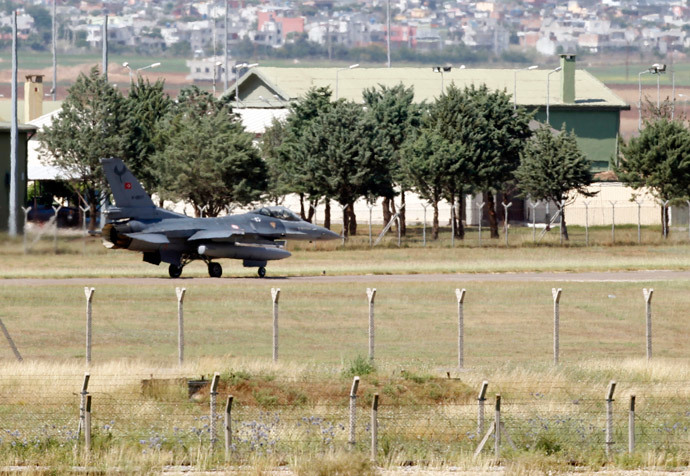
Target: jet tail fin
x=126, y=189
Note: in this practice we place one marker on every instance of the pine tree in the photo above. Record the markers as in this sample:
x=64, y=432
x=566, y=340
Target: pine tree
x=553, y=168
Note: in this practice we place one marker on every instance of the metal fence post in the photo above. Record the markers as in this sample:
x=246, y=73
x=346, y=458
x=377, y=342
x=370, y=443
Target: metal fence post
x=371, y=208
x=505, y=220
x=83, y=226
x=497, y=429
x=424, y=225
x=534, y=220
x=688, y=202
x=609, y=417
x=228, y=425
x=648, y=317
x=88, y=292
x=561, y=220
x=631, y=426
x=480, y=408
x=639, y=221
x=82, y=402
x=556, y=293
x=452, y=225
x=26, y=220
x=613, y=220
x=480, y=212
x=275, y=294
x=180, y=325
x=586, y=204
x=353, y=411
x=664, y=212
x=55, y=232
x=10, y=341
x=371, y=295
x=213, y=394
x=460, y=294
x=87, y=424
x=374, y=426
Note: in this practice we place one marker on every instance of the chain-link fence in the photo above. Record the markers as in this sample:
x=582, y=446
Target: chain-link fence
x=175, y=415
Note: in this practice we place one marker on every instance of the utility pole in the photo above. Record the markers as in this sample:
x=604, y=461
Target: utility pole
x=54, y=89
x=12, y=225
x=225, y=50
x=388, y=31
x=105, y=47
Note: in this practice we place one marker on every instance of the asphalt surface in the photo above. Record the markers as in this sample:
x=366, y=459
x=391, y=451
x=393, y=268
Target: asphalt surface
x=593, y=276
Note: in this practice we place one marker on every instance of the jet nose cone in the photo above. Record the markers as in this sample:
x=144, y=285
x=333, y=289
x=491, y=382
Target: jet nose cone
x=329, y=235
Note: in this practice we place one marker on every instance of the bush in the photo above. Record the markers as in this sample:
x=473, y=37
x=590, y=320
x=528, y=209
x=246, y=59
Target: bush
x=359, y=366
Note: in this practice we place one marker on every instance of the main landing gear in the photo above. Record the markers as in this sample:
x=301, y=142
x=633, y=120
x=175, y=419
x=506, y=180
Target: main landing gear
x=261, y=271
x=175, y=271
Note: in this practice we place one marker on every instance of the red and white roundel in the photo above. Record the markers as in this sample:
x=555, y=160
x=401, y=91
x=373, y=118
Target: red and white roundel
x=128, y=186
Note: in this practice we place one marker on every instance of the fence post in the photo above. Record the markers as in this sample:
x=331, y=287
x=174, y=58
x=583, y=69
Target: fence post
x=371, y=295
x=275, y=294
x=648, y=316
x=452, y=225
x=82, y=402
x=586, y=204
x=374, y=426
x=497, y=429
x=639, y=221
x=353, y=411
x=55, y=232
x=609, y=417
x=371, y=208
x=26, y=220
x=87, y=425
x=83, y=226
x=460, y=294
x=228, y=425
x=480, y=212
x=534, y=219
x=613, y=220
x=213, y=394
x=688, y=202
x=556, y=293
x=17, y=355
x=631, y=426
x=505, y=220
x=88, y=292
x=561, y=219
x=343, y=207
x=424, y=225
x=480, y=408
x=180, y=325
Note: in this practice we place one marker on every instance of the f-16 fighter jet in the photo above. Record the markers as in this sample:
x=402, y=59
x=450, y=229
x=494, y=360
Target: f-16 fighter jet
x=136, y=224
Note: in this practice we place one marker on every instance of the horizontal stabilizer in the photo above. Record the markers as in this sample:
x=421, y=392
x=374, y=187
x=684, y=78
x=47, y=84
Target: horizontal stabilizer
x=153, y=238
x=214, y=234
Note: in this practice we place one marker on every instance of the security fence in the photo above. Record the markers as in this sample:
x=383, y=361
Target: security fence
x=179, y=416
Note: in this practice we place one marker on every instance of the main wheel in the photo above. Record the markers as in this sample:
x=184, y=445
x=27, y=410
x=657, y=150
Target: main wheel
x=215, y=270
x=262, y=272
x=174, y=271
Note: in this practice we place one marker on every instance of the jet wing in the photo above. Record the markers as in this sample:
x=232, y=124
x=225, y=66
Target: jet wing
x=214, y=234
x=154, y=238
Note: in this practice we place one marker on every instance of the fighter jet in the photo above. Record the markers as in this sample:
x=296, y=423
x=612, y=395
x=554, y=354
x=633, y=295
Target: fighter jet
x=136, y=224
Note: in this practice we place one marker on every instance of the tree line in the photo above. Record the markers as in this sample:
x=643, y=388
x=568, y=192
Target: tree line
x=194, y=148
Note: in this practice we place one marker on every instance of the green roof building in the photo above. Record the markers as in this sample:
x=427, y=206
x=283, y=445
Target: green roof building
x=574, y=97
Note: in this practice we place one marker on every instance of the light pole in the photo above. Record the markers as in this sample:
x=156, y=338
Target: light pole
x=131, y=71
x=337, y=72
x=657, y=69
x=515, y=72
x=548, y=91
x=443, y=69
x=238, y=67
x=216, y=65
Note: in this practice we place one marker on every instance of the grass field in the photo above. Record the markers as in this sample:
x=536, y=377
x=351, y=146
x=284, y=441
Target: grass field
x=554, y=413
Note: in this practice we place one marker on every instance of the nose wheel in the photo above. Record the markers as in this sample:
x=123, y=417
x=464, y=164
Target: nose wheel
x=261, y=272
x=215, y=270
x=175, y=271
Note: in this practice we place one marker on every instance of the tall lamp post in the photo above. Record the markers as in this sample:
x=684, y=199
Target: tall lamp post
x=238, y=67
x=337, y=72
x=442, y=69
x=216, y=66
x=657, y=69
x=515, y=72
x=548, y=91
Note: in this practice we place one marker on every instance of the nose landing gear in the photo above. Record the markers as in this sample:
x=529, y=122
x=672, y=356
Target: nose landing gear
x=261, y=271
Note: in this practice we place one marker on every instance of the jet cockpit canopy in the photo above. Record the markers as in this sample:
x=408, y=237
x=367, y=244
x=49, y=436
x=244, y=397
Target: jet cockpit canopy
x=279, y=212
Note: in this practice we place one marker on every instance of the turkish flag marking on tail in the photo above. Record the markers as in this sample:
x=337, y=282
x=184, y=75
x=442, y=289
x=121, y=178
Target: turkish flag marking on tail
x=128, y=186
